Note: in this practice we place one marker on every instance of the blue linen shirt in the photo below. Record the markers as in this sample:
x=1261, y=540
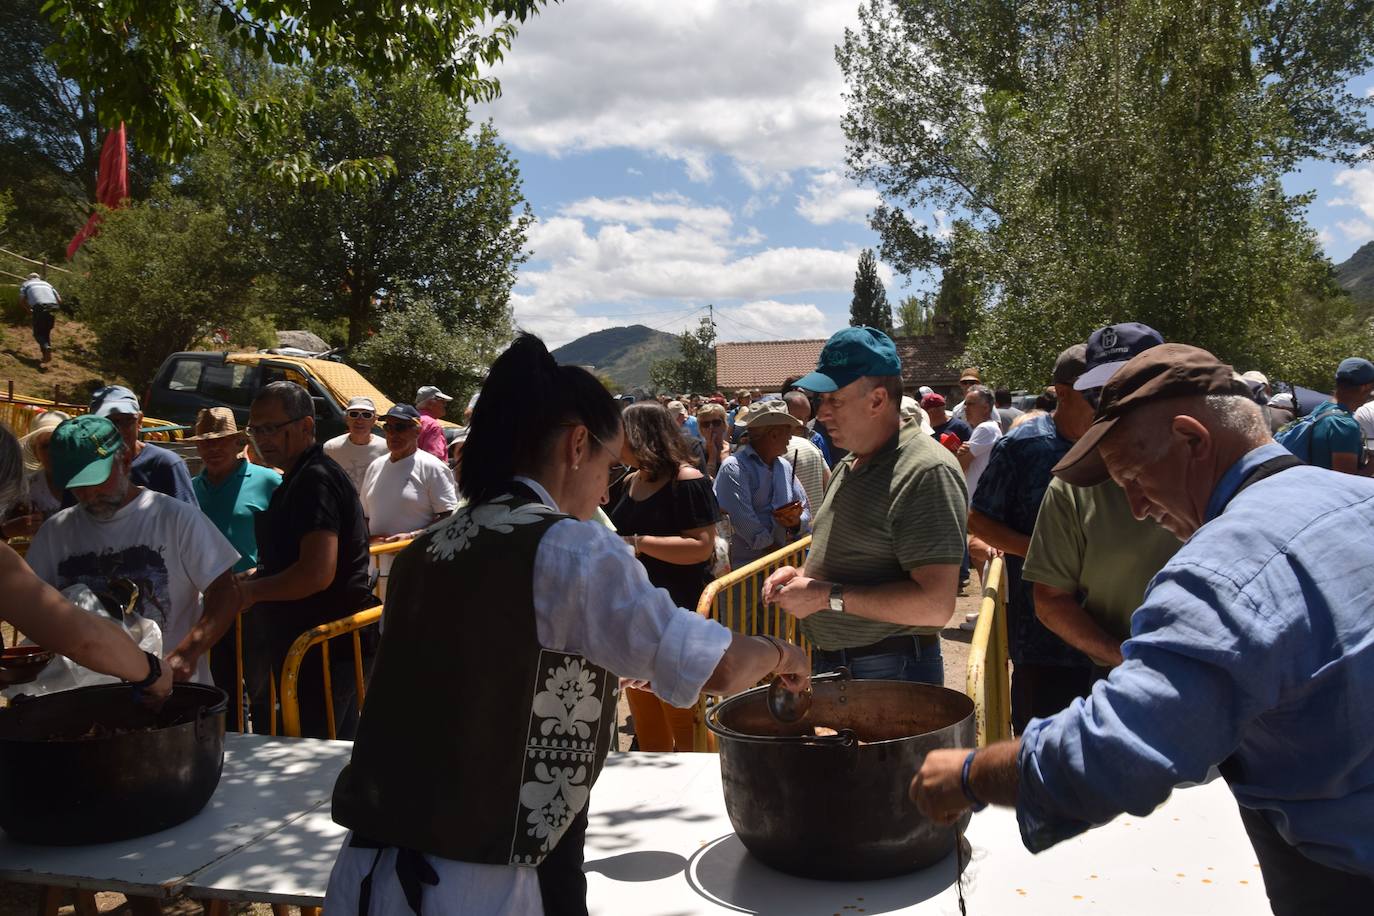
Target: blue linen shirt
x=748, y=491
x=1254, y=647
x=1010, y=491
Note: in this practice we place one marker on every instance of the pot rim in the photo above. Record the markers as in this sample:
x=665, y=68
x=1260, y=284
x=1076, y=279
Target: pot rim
x=844, y=738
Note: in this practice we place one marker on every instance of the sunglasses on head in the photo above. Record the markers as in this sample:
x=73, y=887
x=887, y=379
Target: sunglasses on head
x=361, y=415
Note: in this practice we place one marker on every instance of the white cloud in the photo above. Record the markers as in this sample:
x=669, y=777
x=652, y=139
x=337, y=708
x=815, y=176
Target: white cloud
x=753, y=81
x=666, y=252
x=1359, y=184
x=767, y=319
x=1369, y=93
x=1356, y=230
x=1325, y=237
x=831, y=198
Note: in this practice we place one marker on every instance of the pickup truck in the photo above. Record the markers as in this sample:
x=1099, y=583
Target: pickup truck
x=189, y=381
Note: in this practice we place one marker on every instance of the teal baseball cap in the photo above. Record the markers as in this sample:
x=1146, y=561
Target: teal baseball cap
x=850, y=355
x=83, y=450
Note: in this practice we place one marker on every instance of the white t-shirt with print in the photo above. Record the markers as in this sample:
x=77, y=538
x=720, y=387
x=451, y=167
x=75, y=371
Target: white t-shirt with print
x=405, y=495
x=167, y=547
x=355, y=459
x=984, y=437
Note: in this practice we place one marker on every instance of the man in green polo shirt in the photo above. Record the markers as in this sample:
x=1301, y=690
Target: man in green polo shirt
x=231, y=491
x=888, y=540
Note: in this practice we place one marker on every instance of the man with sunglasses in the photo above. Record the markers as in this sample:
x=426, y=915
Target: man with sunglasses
x=355, y=450
x=312, y=562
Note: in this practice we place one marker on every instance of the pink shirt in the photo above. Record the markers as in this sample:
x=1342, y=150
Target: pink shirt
x=432, y=437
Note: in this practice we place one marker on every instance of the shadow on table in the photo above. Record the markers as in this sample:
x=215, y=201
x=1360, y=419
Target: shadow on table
x=726, y=874
x=645, y=865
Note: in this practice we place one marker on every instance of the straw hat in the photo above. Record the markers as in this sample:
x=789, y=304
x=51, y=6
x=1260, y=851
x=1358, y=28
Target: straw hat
x=769, y=413
x=215, y=423
x=45, y=422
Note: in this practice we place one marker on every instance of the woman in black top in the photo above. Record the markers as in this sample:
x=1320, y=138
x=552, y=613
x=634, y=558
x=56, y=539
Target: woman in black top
x=667, y=513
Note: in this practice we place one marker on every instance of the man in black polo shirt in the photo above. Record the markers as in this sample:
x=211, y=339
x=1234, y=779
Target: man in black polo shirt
x=312, y=557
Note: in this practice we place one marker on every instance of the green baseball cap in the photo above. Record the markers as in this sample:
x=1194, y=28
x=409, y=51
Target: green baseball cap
x=83, y=450
x=850, y=355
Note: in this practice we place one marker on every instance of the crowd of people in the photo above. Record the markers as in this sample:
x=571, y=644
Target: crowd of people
x=1187, y=553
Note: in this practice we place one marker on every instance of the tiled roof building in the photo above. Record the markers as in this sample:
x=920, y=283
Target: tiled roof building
x=764, y=364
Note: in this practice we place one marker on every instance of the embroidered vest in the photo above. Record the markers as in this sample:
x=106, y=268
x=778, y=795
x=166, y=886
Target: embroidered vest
x=475, y=742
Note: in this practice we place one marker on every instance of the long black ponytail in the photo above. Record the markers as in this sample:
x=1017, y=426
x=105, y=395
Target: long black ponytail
x=525, y=399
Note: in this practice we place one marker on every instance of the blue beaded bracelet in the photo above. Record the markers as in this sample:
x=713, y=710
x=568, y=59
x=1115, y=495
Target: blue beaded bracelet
x=976, y=803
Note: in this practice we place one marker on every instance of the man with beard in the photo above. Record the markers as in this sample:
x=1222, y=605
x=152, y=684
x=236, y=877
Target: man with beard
x=180, y=562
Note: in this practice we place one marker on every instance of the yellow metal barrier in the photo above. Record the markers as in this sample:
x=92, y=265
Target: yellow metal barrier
x=735, y=600
x=293, y=659
x=290, y=675
x=384, y=569
x=989, y=677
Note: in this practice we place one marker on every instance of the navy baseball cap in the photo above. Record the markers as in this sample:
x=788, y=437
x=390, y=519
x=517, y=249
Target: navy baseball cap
x=850, y=355
x=1112, y=347
x=1355, y=371
x=403, y=412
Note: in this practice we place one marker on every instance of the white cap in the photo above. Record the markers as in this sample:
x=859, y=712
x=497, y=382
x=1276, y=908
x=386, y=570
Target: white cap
x=924, y=390
x=361, y=404
x=429, y=393
x=1255, y=375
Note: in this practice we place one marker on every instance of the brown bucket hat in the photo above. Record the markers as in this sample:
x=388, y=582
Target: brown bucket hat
x=215, y=423
x=1169, y=370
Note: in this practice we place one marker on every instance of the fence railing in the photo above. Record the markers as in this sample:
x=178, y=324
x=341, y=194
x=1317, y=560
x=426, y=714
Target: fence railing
x=289, y=689
x=989, y=676
x=735, y=600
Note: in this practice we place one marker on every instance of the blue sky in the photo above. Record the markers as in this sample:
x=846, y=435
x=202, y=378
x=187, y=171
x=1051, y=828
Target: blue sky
x=690, y=153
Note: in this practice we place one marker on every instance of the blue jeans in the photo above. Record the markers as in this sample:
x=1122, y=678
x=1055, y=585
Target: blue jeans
x=921, y=664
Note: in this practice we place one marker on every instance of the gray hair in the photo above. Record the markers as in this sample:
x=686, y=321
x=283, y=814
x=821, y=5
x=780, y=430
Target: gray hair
x=12, y=476
x=292, y=397
x=1230, y=413
x=982, y=393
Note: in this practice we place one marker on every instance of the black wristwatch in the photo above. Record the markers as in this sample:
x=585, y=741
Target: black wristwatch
x=154, y=673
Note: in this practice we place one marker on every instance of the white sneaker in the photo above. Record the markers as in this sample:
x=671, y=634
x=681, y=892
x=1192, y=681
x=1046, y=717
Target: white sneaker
x=970, y=622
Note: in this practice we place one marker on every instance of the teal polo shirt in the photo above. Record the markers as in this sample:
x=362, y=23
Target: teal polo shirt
x=234, y=503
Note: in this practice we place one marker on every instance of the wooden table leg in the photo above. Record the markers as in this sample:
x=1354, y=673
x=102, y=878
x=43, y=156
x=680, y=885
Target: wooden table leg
x=144, y=906
x=310, y=911
x=281, y=909
x=51, y=900
x=85, y=903
x=215, y=907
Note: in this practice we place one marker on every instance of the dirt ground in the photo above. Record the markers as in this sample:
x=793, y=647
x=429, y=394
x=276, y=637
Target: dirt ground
x=25, y=899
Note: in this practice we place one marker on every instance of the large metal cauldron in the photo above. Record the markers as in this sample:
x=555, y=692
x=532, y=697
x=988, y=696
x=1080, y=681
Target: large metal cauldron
x=91, y=765
x=837, y=807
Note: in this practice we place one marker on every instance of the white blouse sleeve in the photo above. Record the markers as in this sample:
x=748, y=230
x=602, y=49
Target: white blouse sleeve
x=592, y=597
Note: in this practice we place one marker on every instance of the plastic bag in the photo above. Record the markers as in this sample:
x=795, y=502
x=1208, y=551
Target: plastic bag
x=64, y=674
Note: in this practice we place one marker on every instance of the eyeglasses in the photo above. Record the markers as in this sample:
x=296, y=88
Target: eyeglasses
x=361, y=415
x=706, y=423
x=618, y=473
x=259, y=430
x=968, y=381
x=398, y=428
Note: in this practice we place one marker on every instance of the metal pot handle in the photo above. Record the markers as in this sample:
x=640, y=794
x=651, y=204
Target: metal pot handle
x=843, y=737
x=205, y=732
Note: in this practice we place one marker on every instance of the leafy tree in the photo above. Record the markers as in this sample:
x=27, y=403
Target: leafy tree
x=414, y=348
x=694, y=370
x=914, y=314
x=1110, y=162
x=449, y=222
x=147, y=61
x=869, y=306
x=162, y=276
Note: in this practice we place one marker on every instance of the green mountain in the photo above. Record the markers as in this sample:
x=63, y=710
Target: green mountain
x=624, y=354
x=1357, y=274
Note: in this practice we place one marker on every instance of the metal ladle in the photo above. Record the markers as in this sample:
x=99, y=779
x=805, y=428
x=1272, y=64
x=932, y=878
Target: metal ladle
x=787, y=706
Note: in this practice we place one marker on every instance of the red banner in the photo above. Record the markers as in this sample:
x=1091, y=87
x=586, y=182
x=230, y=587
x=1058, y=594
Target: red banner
x=112, y=183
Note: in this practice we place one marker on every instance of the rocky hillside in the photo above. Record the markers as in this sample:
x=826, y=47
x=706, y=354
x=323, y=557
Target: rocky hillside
x=1357, y=274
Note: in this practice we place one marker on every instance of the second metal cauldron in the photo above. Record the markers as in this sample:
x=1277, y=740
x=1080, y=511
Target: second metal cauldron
x=837, y=807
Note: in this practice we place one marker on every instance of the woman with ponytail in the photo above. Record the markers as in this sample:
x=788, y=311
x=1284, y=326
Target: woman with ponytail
x=492, y=701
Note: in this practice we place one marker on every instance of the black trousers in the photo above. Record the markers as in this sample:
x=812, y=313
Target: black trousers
x=43, y=321
x=1298, y=886
x=562, y=883
x=1039, y=691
